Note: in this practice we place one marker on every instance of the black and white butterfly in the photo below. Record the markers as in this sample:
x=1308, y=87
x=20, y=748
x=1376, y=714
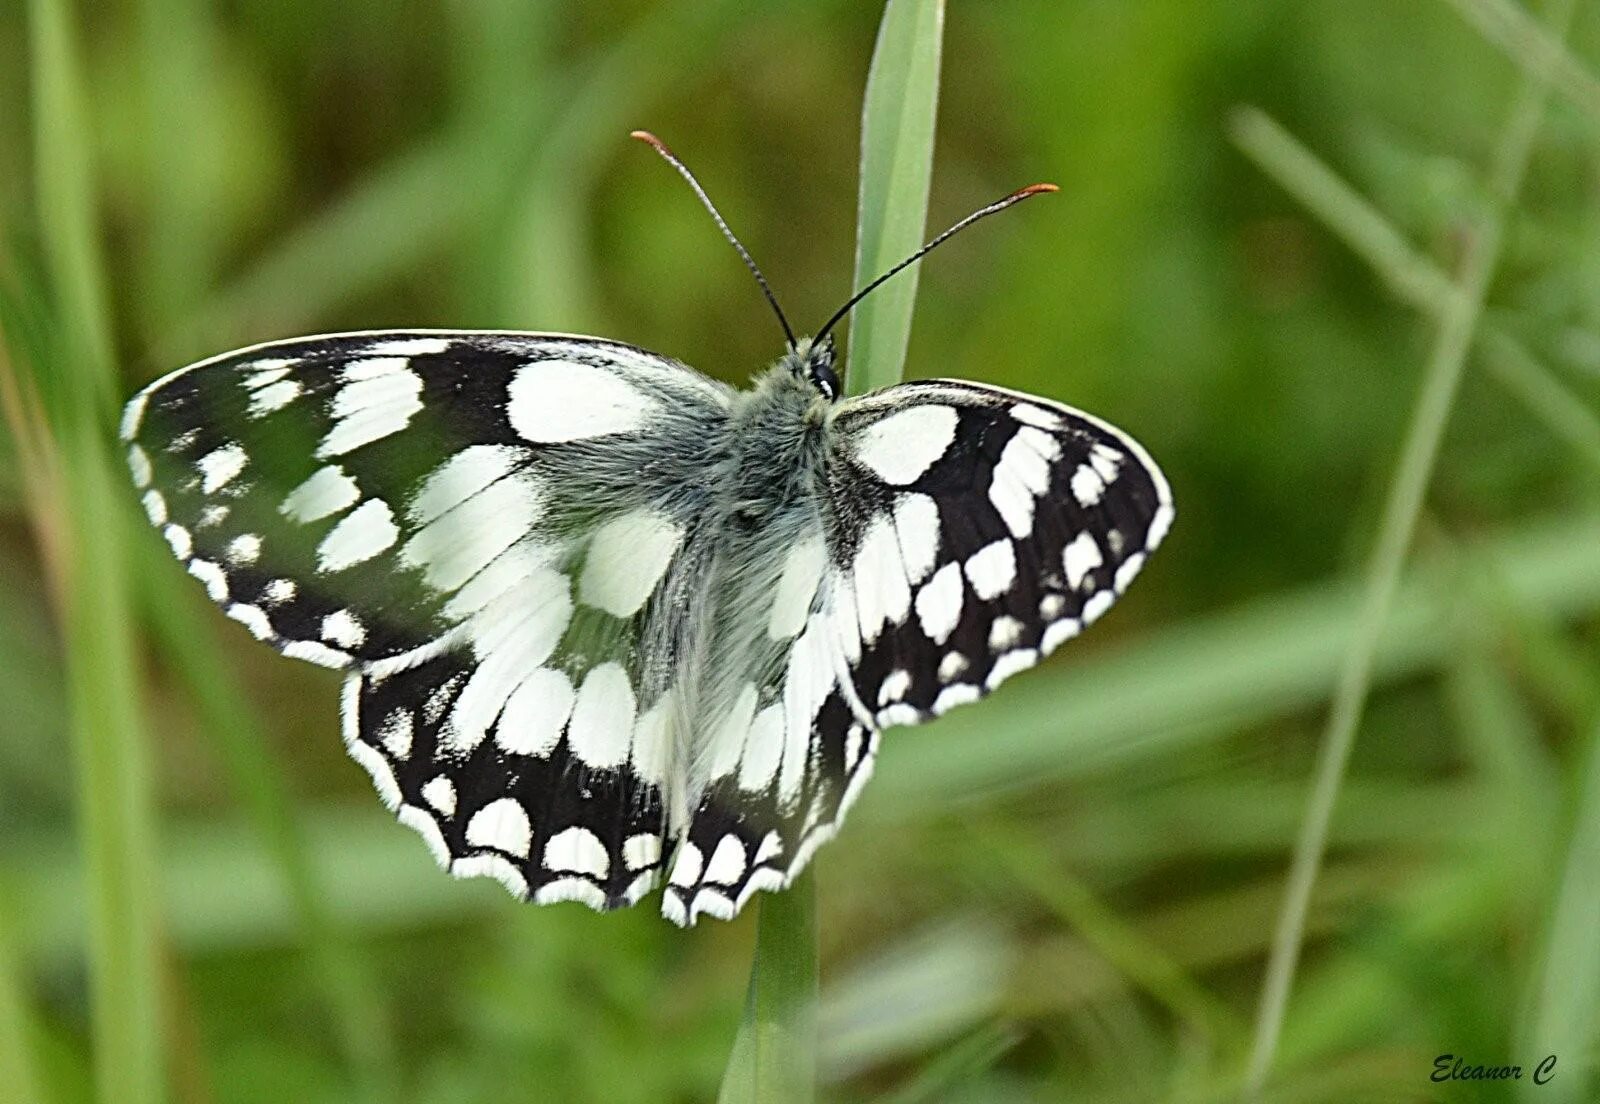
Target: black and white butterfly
x=608, y=623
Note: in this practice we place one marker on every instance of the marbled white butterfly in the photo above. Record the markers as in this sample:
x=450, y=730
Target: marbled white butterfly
x=608, y=622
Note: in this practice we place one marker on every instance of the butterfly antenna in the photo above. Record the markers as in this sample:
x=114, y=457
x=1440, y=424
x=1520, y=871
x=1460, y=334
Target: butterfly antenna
x=983, y=212
x=683, y=170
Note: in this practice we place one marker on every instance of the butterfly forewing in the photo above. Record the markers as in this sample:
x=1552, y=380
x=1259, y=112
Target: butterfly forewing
x=481, y=528
x=974, y=531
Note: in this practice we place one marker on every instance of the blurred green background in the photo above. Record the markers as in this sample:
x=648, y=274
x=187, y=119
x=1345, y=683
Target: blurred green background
x=1067, y=893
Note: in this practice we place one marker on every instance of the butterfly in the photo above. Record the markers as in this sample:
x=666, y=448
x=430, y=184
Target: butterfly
x=607, y=623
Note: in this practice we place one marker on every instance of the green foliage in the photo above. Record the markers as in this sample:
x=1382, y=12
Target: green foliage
x=1278, y=227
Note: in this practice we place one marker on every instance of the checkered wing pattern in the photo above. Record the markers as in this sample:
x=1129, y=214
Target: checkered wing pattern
x=489, y=533
x=957, y=535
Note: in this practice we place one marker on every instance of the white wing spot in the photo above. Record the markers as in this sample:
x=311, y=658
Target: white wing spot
x=939, y=603
x=551, y=401
x=1059, y=633
x=686, y=869
x=395, y=733
x=503, y=825
x=1051, y=606
x=132, y=415
x=219, y=467
x=460, y=477
x=627, y=557
x=1009, y=664
x=652, y=742
x=1097, y=605
x=955, y=694
x=536, y=712
x=329, y=491
x=212, y=575
x=898, y=714
x=1079, y=558
x=178, y=538
x=252, y=618
x=343, y=628
x=279, y=591
x=727, y=742
x=1004, y=633
x=916, y=520
x=641, y=850
x=313, y=652
x=602, y=718
x=155, y=507
x=364, y=533
x=952, y=666
x=378, y=398
x=1032, y=415
x=727, y=862
x=469, y=533
x=245, y=549
x=763, y=750
x=992, y=569
x=579, y=851
x=440, y=792
x=504, y=872
x=797, y=586
x=882, y=593
x=894, y=687
x=1127, y=570
x=899, y=448
x=139, y=465
x=1087, y=486
x=1107, y=461
x=273, y=397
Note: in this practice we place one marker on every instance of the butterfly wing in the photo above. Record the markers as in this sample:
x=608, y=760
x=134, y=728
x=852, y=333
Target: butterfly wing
x=959, y=533
x=488, y=531
x=976, y=530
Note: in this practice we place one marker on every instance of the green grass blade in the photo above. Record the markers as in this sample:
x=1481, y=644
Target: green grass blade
x=1565, y=1019
x=1541, y=53
x=774, y=1057
x=115, y=805
x=17, y=1028
x=1403, y=506
x=1410, y=274
x=897, y=124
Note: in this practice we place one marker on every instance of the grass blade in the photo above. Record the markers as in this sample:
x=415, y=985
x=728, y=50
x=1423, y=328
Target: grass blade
x=115, y=808
x=1401, y=510
x=775, y=1055
x=897, y=123
x=1565, y=1019
x=1410, y=274
x=17, y=1029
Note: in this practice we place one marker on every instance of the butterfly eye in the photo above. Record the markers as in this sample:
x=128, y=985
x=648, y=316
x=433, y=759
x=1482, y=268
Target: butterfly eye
x=825, y=380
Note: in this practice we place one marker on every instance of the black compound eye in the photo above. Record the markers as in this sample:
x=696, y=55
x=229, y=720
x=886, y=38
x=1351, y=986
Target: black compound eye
x=825, y=380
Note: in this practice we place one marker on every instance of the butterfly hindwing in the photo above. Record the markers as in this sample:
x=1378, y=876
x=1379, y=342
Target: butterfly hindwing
x=481, y=529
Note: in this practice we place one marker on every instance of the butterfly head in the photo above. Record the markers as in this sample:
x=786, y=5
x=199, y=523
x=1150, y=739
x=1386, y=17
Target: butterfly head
x=812, y=362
